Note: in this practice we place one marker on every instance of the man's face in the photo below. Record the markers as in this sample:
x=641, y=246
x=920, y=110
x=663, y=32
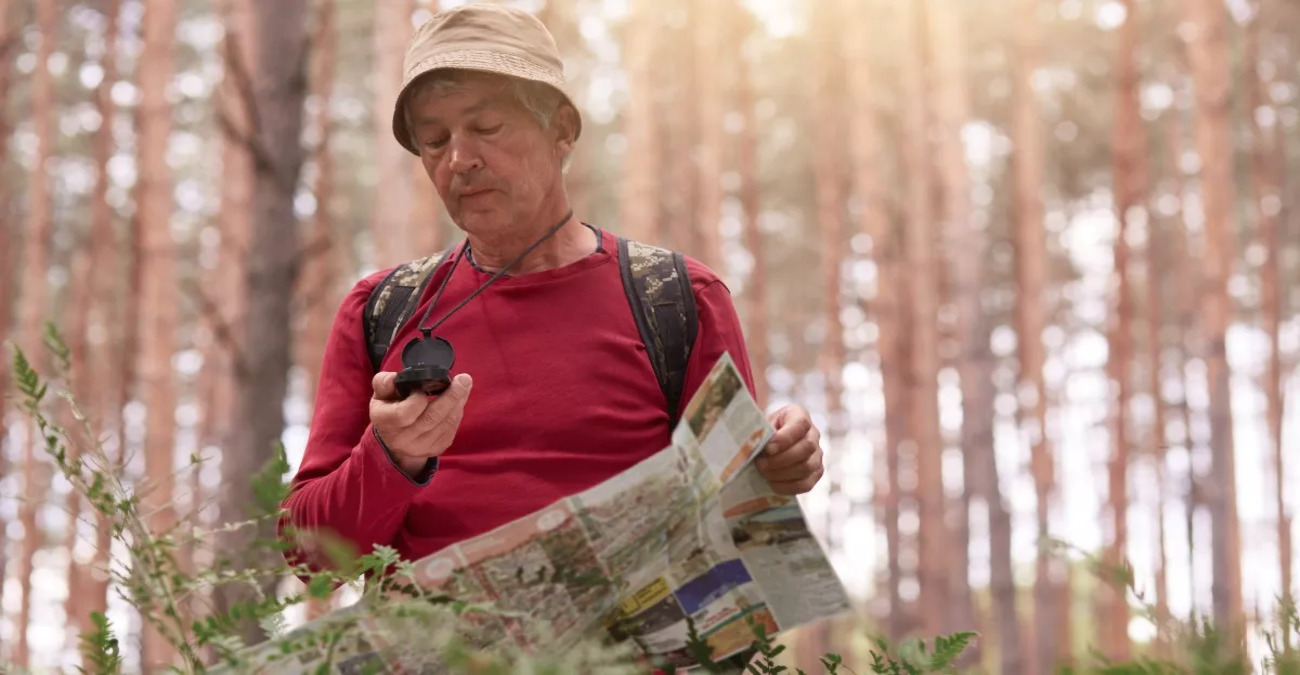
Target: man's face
x=491, y=161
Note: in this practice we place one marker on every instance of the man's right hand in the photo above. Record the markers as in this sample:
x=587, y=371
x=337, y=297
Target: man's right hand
x=417, y=427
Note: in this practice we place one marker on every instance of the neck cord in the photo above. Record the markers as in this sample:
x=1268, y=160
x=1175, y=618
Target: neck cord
x=463, y=251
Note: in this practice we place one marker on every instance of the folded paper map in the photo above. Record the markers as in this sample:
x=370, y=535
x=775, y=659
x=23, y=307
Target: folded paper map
x=692, y=539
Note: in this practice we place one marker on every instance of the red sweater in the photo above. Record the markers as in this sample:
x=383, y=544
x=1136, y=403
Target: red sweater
x=564, y=397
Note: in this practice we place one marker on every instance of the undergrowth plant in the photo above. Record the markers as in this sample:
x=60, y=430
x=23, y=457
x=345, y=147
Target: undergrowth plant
x=419, y=628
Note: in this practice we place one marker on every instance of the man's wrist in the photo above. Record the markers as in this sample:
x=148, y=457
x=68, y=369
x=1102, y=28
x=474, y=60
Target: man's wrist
x=418, y=470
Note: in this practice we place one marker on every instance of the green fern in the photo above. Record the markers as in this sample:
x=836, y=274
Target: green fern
x=99, y=648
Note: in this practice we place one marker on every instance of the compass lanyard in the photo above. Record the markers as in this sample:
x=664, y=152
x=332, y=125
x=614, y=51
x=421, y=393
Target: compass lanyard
x=427, y=331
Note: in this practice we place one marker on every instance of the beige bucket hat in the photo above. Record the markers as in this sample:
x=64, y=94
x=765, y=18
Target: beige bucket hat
x=481, y=36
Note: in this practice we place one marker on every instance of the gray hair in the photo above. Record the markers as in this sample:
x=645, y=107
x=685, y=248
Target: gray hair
x=539, y=99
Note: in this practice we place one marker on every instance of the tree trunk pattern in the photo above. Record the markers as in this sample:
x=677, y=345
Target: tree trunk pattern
x=33, y=307
x=923, y=394
x=279, y=88
x=1208, y=54
x=391, y=232
x=1031, y=280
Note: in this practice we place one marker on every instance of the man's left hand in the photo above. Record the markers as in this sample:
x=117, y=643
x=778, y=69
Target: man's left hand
x=792, y=459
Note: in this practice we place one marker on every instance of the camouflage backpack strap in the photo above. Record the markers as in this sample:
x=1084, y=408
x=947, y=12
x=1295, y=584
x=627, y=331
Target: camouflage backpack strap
x=659, y=291
x=394, y=300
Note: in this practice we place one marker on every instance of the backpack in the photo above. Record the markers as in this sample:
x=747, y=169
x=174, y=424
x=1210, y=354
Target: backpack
x=655, y=281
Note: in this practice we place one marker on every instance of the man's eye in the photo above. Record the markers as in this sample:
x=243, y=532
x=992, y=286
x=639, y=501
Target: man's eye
x=436, y=142
x=489, y=130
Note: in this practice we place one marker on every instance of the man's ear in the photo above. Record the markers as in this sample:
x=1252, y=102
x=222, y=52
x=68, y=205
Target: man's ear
x=566, y=127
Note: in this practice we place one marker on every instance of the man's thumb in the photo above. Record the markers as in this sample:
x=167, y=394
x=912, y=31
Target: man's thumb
x=385, y=385
x=462, y=384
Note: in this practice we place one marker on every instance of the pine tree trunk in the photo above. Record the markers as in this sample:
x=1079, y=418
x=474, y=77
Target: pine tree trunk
x=639, y=201
x=279, y=88
x=1268, y=158
x=1129, y=178
x=93, y=312
x=9, y=45
x=1186, y=301
x=159, y=299
x=392, y=233
x=1208, y=54
x=318, y=288
x=885, y=308
x=680, y=131
x=426, y=223
x=33, y=306
x=1159, y=439
x=712, y=59
x=923, y=271
x=966, y=253
x=1031, y=280
x=829, y=172
x=755, y=296
x=224, y=311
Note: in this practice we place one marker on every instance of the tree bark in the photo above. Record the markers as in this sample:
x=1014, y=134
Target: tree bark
x=1031, y=280
x=680, y=131
x=639, y=202
x=1208, y=54
x=159, y=299
x=712, y=58
x=8, y=241
x=885, y=307
x=975, y=364
x=225, y=311
x=923, y=270
x=1268, y=159
x=93, y=312
x=1129, y=180
x=318, y=288
x=279, y=88
x=33, y=307
x=392, y=233
x=755, y=296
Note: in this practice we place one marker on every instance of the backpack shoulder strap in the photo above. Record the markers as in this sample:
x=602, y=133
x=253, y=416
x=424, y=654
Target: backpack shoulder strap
x=393, y=301
x=658, y=289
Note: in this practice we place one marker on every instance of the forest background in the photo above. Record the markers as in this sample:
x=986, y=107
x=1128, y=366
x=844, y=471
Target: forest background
x=1028, y=262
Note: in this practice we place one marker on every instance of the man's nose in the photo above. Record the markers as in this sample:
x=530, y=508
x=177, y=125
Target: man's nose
x=464, y=156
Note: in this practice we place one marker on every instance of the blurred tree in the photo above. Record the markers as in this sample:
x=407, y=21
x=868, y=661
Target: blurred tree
x=1130, y=150
x=392, y=232
x=318, y=292
x=713, y=58
x=1031, y=280
x=1267, y=161
x=159, y=300
x=92, y=312
x=35, y=305
x=965, y=251
x=279, y=82
x=865, y=75
x=923, y=273
x=9, y=44
x=1208, y=55
x=640, y=200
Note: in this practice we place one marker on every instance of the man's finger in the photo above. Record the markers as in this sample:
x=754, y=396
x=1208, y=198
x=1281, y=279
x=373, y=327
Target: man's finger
x=797, y=487
x=792, y=456
x=398, y=414
x=794, y=429
x=385, y=386
x=810, y=465
x=452, y=399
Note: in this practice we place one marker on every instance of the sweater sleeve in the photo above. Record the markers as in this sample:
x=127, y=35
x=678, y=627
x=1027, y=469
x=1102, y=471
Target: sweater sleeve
x=348, y=486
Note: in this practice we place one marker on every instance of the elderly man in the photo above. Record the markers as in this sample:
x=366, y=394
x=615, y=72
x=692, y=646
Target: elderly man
x=554, y=388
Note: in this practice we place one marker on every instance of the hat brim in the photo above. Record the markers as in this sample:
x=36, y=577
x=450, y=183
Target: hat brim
x=478, y=60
